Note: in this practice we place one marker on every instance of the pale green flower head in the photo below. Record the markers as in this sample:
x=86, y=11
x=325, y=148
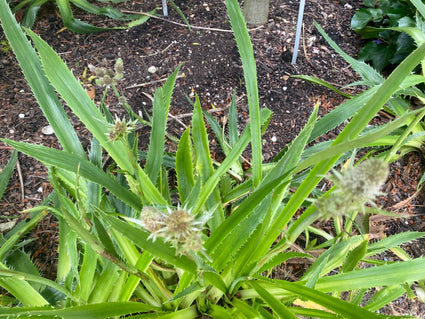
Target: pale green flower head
x=177, y=226
x=152, y=219
x=119, y=66
x=364, y=180
x=354, y=187
x=120, y=129
x=107, y=77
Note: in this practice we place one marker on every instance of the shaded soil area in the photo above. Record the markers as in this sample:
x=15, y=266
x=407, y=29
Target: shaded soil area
x=212, y=70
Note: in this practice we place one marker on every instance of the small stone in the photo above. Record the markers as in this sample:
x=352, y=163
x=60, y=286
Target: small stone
x=47, y=130
x=21, y=115
x=152, y=69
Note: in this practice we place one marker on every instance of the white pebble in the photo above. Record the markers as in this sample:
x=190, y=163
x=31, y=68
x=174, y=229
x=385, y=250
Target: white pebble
x=152, y=69
x=47, y=130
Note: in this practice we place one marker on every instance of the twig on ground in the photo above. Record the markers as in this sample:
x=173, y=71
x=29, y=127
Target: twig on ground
x=184, y=25
x=405, y=202
x=21, y=180
x=159, y=52
x=175, y=118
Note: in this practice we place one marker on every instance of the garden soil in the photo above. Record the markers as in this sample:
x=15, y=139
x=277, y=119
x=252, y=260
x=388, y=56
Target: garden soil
x=211, y=70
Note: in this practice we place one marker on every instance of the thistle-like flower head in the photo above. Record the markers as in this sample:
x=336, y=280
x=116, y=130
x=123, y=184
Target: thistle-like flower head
x=153, y=219
x=354, y=187
x=364, y=180
x=177, y=226
x=120, y=129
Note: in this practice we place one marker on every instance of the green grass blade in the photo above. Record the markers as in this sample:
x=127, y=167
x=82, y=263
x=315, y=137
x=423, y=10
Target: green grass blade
x=367, y=73
x=187, y=313
x=218, y=312
x=313, y=313
x=354, y=257
x=215, y=279
x=237, y=150
x=87, y=273
x=73, y=24
x=384, y=297
x=233, y=122
x=140, y=20
x=94, y=190
x=250, y=74
x=23, y=291
x=342, y=113
x=218, y=132
x=239, y=214
x=91, y=8
x=279, y=308
x=333, y=257
x=7, y=274
x=243, y=307
x=420, y=6
x=13, y=236
x=346, y=309
x=40, y=85
x=95, y=311
x=104, y=284
x=181, y=14
x=204, y=164
x=7, y=172
x=156, y=141
x=281, y=258
x=318, y=81
x=72, y=163
x=184, y=167
x=386, y=275
x=31, y=13
x=392, y=241
x=161, y=106
x=371, y=138
x=229, y=247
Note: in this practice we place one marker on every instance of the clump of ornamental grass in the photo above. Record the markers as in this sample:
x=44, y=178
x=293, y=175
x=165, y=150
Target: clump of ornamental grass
x=353, y=188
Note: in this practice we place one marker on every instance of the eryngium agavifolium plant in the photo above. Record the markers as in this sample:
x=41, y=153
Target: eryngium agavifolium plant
x=132, y=243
